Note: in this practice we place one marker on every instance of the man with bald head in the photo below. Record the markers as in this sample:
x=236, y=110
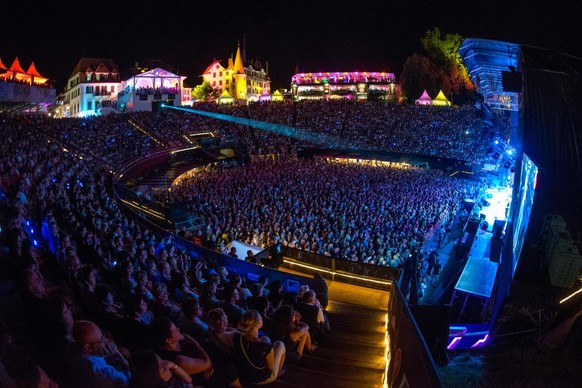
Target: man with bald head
x=97, y=361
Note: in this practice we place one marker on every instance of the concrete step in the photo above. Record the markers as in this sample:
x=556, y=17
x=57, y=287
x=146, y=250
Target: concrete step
x=365, y=338
x=306, y=377
x=362, y=348
x=344, y=368
x=352, y=355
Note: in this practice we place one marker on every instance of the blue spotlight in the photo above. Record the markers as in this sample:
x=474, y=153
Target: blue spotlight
x=297, y=133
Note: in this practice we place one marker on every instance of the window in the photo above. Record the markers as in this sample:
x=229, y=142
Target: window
x=89, y=105
x=221, y=73
x=213, y=83
x=88, y=89
x=213, y=75
x=220, y=83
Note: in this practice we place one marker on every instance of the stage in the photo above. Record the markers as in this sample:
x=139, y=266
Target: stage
x=499, y=202
x=478, y=276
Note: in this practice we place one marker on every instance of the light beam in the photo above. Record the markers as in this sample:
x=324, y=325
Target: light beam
x=279, y=129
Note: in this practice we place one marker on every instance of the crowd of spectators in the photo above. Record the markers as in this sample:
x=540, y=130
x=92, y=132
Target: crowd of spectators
x=461, y=133
x=364, y=213
x=91, y=298
x=110, y=138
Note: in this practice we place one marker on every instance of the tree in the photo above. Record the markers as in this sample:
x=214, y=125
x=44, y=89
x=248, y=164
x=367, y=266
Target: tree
x=205, y=92
x=419, y=73
x=441, y=69
x=443, y=50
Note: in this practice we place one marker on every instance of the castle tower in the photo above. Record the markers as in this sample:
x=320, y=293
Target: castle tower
x=240, y=77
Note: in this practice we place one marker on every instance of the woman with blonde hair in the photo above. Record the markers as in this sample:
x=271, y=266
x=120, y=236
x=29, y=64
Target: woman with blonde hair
x=258, y=361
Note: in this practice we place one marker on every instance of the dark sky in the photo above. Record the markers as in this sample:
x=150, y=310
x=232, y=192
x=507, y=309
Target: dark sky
x=344, y=35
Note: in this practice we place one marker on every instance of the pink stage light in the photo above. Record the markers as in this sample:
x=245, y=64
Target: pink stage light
x=481, y=342
x=454, y=343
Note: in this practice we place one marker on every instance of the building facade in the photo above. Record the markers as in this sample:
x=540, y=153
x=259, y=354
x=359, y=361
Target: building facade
x=142, y=90
x=359, y=86
x=95, y=87
x=244, y=82
x=93, y=83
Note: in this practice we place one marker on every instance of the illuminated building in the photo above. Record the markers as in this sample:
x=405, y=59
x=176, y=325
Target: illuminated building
x=95, y=88
x=244, y=82
x=150, y=86
x=359, y=86
x=93, y=83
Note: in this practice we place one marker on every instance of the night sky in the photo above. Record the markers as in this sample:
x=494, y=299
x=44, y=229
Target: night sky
x=316, y=35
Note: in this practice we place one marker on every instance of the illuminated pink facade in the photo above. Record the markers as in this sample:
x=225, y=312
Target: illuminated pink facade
x=359, y=86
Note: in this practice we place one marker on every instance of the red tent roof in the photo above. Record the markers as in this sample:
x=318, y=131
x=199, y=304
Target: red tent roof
x=16, y=67
x=2, y=65
x=32, y=71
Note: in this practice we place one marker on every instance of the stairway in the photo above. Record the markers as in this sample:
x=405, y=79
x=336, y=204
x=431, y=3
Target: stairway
x=148, y=132
x=161, y=179
x=352, y=355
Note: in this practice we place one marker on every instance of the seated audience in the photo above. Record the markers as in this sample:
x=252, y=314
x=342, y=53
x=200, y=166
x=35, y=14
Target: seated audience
x=288, y=328
x=148, y=370
x=258, y=361
x=95, y=360
x=189, y=320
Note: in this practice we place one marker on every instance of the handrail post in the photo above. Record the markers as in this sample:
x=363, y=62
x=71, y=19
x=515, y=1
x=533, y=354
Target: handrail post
x=333, y=269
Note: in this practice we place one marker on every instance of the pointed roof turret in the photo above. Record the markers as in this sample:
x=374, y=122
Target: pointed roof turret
x=238, y=62
x=296, y=68
x=16, y=66
x=2, y=65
